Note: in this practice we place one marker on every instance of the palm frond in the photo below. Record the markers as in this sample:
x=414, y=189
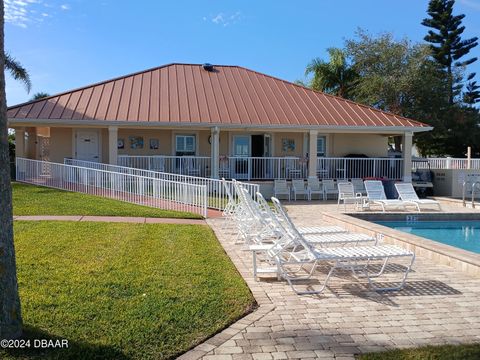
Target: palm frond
x=17, y=71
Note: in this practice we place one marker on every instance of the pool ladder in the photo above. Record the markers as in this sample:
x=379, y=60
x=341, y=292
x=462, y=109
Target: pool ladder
x=474, y=185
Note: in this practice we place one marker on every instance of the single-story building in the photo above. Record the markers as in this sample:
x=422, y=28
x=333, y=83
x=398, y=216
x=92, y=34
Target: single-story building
x=214, y=121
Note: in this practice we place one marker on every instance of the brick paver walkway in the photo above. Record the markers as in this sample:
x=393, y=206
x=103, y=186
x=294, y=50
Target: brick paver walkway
x=438, y=305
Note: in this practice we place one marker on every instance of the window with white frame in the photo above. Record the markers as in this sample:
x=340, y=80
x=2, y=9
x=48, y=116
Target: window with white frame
x=185, y=145
x=321, y=148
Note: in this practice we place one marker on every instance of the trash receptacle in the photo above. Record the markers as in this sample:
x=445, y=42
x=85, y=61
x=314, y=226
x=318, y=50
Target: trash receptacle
x=390, y=191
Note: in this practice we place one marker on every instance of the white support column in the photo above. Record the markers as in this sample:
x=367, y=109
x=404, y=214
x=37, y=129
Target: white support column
x=215, y=152
x=31, y=143
x=112, y=145
x=407, y=144
x=312, y=153
x=20, y=142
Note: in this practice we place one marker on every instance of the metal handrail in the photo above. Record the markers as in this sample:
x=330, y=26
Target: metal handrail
x=473, y=193
x=463, y=192
x=474, y=184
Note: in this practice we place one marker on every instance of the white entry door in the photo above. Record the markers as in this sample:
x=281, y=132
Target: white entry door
x=87, y=145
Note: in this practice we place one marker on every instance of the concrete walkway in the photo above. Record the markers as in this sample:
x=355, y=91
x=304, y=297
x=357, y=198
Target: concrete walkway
x=123, y=219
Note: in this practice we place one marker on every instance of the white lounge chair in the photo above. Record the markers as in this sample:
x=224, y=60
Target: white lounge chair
x=376, y=195
x=292, y=254
x=359, y=186
x=407, y=193
x=329, y=188
x=346, y=194
x=314, y=187
x=298, y=188
x=303, y=230
x=280, y=187
x=328, y=236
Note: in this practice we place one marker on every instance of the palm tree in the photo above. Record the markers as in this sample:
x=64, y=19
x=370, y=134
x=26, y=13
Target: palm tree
x=39, y=95
x=10, y=315
x=335, y=77
x=17, y=71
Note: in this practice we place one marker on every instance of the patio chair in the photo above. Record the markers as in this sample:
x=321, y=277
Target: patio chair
x=278, y=224
x=224, y=170
x=329, y=188
x=229, y=210
x=346, y=194
x=376, y=195
x=298, y=188
x=314, y=187
x=192, y=167
x=358, y=186
x=157, y=164
x=407, y=193
x=280, y=187
x=291, y=169
x=328, y=236
x=278, y=211
x=292, y=255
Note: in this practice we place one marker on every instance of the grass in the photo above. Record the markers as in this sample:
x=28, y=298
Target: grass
x=124, y=291
x=37, y=200
x=444, y=352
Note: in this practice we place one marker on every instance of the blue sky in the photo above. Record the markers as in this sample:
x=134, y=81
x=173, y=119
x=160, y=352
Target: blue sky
x=70, y=43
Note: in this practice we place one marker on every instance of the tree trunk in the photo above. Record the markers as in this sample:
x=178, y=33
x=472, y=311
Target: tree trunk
x=450, y=84
x=10, y=315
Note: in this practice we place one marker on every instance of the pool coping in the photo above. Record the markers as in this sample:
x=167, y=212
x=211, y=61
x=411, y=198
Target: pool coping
x=460, y=259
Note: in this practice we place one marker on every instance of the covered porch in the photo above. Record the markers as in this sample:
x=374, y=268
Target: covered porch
x=260, y=154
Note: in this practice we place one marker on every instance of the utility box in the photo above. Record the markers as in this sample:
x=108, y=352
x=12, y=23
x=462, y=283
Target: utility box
x=449, y=182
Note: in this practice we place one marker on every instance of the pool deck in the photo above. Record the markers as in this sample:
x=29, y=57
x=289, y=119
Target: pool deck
x=439, y=305
x=360, y=221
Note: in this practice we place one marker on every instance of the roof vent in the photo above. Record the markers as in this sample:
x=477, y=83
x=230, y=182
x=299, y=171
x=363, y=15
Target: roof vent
x=208, y=67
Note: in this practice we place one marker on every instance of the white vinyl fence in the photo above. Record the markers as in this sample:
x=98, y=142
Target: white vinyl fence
x=216, y=195
x=184, y=165
x=351, y=168
x=448, y=163
x=132, y=188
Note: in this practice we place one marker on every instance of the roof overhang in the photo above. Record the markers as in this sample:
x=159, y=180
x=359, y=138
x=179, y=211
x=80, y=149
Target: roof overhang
x=190, y=125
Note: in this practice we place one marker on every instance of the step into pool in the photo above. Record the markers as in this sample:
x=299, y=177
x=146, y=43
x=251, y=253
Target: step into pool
x=461, y=234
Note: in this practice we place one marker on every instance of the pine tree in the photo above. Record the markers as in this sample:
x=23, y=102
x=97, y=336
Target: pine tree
x=472, y=93
x=447, y=46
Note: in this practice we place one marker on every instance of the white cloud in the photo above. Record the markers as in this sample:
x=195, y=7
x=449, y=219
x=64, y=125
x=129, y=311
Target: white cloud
x=225, y=19
x=22, y=12
x=65, y=7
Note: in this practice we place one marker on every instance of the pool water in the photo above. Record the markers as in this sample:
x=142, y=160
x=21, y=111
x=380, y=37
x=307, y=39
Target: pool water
x=461, y=234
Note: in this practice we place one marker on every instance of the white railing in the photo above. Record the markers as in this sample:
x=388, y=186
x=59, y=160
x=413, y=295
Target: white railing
x=184, y=165
x=244, y=168
x=132, y=188
x=216, y=195
x=447, y=163
x=268, y=168
x=350, y=168
x=260, y=168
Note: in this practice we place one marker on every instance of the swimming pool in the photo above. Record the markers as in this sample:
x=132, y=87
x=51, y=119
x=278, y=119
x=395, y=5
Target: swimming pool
x=461, y=234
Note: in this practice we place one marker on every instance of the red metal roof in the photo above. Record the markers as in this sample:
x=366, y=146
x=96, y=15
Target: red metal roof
x=186, y=93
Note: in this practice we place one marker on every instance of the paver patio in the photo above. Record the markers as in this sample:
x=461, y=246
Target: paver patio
x=438, y=305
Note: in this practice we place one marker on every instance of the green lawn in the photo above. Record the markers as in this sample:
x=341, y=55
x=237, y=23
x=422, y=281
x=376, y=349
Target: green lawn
x=124, y=291
x=445, y=352
x=37, y=200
